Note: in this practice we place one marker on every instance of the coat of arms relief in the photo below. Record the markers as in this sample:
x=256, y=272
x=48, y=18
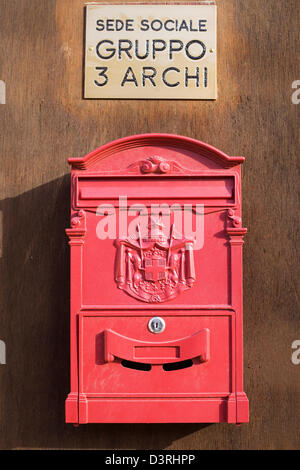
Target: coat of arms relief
x=155, y=267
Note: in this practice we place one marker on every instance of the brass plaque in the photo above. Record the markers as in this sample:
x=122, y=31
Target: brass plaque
x=154, y=51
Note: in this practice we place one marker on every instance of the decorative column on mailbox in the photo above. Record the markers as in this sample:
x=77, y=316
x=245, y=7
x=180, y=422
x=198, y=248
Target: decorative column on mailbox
x=156, y=283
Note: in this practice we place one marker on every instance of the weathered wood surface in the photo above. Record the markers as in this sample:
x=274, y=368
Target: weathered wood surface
x=45, y=120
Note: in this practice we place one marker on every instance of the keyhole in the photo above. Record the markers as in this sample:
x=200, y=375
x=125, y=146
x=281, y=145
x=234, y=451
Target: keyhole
x=156, y=325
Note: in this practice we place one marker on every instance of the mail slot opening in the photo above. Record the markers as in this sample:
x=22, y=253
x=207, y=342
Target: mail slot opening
x=178, y=365
x=136, y=365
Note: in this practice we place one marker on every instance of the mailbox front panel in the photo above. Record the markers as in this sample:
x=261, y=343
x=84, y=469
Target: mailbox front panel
x=156, y=283
x=141, y=363
x=211, y=284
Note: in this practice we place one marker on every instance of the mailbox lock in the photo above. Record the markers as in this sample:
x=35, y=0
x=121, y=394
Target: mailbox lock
x=156, y=325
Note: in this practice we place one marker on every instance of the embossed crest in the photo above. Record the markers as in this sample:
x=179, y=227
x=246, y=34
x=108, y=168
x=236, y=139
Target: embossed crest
x=155, y=268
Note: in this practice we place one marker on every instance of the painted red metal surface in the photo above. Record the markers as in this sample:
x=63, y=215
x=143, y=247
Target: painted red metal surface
x=156, y=233
x=117, y=346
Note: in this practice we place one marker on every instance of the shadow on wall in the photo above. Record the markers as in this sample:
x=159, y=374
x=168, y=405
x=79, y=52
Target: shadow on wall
x=34, y=324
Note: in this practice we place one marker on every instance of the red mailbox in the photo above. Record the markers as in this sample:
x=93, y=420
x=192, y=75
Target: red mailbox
x=156, y=283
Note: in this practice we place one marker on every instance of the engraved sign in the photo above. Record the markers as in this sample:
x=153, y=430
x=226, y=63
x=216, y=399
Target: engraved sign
x=154, y=51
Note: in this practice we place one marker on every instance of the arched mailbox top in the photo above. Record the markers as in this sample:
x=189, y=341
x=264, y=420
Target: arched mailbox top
x=181, y=143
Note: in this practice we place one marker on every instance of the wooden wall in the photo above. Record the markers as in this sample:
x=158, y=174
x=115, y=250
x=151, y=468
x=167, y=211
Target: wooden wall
x=45, y=120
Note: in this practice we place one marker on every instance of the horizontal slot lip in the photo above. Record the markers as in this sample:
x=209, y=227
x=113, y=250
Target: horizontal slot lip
x=196, y=345
x=178, y=187
x=154, y=197
x=155, y=193
x=211, y=175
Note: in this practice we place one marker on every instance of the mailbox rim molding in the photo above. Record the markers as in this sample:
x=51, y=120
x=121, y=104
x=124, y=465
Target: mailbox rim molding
x=138, y=140
x=82, y=407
